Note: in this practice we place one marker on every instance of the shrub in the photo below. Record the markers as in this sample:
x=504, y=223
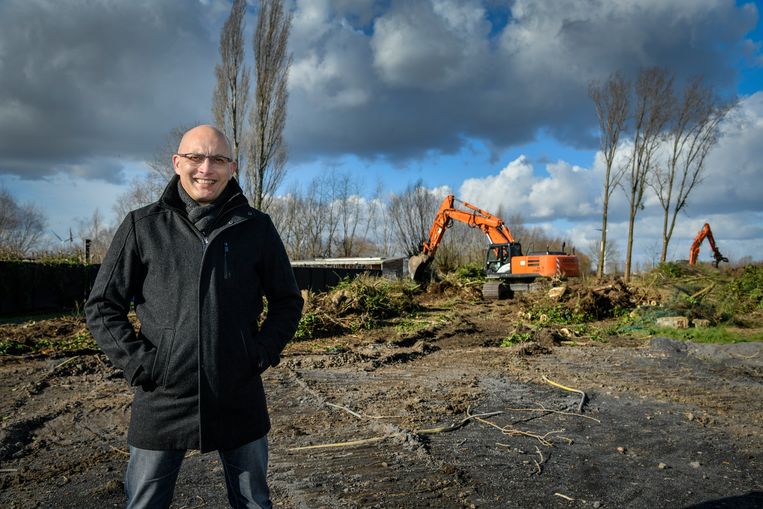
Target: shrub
x=744, y=293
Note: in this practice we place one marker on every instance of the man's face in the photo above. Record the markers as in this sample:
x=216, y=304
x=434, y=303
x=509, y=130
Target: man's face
x=201, y=177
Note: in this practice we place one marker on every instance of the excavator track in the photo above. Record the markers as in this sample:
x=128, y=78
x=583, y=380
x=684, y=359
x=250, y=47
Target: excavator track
x=496, y=290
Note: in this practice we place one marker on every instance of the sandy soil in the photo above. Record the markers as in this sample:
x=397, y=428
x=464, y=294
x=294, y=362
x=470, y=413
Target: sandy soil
x=439, y=416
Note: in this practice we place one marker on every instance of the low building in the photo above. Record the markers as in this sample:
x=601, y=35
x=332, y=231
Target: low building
x=320, y=274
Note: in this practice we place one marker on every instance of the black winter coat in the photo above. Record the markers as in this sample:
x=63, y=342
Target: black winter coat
x=196, y=361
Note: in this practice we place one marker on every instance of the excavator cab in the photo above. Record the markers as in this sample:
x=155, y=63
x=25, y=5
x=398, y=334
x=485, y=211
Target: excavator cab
x=499, y=257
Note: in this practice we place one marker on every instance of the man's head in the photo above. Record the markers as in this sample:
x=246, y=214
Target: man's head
x=203, y=162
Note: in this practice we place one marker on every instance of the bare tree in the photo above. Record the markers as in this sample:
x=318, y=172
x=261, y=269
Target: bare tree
x=98, y=233
x=267, y=151
x=305, y=219
x=21, y=226
x=651, y=112
x=692, y=132
x=289, y=218
x=380, y=228
x=147, y=189
x=412, y=213
x=611, y=255
x=229, y=103
x=611, y=100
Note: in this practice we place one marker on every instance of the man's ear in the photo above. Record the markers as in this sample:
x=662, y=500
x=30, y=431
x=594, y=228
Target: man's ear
x=233, y=169
x=175, y=163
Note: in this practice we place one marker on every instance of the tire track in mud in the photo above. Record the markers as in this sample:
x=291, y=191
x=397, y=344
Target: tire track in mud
x=391, y=472
x=17, y=434
x=464, y=468
x=59, y=429
x=718, y=391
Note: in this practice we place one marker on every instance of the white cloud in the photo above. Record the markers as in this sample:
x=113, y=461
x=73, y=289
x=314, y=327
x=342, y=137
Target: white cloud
x=97, y=80
x=419, y=77
x=567, y=192
x=734, y=176
x=429, y=46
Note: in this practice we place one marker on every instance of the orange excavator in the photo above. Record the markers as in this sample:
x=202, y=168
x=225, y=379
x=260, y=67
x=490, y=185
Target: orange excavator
x=704, y=233
x=505, y=266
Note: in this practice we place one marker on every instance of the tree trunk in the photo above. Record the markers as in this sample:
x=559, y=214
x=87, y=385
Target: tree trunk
x=629, y=249
x=603, y=245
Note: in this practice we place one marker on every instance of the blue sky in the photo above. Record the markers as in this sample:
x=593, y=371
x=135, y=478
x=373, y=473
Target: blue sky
x=484, y=97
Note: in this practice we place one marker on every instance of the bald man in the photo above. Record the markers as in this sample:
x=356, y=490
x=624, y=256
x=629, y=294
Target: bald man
x=196, y=265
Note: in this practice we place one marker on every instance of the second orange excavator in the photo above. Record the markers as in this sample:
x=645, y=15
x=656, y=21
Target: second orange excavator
x=505, y=265
x=705, y=233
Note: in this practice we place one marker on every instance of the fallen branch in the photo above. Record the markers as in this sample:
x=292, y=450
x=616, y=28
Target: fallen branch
x=341, y=444
x=746, y=357
x=583, y=396
x=362, y=416
x=428, y=431
x=64, y=363
x=457, y=425
x=543, y=439
x=565, y=497
x=120, y=451
x=703, y=291
x=203, y=504
x=541, y=408
x=539, y=465
x=346, y=410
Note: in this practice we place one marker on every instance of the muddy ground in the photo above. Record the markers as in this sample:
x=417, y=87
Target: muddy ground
x=436, y=414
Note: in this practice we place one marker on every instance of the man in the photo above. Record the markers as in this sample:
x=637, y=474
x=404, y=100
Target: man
x=196, y=265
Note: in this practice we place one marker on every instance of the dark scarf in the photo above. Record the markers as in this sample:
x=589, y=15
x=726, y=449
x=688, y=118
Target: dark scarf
x=203, y=215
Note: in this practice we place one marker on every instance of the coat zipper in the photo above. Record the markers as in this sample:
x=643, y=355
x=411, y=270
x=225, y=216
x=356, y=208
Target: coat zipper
x=226, y=273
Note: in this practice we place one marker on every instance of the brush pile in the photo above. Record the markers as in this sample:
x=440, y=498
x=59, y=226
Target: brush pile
x=361, y=303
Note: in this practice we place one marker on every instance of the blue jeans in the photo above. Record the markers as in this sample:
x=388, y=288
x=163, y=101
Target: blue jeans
x=151, y=476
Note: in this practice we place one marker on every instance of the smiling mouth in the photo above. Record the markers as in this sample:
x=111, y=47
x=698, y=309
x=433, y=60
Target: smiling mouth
x=205, y=181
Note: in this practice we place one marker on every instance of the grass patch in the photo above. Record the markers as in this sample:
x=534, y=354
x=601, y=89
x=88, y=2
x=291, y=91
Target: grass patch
x=557, y=313
x=414, y=324
x=705, y=334
x=515, y=338
x=75, y=341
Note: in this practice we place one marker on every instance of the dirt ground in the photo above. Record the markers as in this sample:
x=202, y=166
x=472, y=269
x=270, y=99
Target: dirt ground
x=433, y=415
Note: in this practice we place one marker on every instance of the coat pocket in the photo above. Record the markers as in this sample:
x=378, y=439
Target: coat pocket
x=163, y=355
x=245, y=351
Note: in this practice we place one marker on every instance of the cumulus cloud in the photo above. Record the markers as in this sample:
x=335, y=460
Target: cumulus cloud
x=82, y=81
x=425, y=76
x=567, y=191
x=734, y=180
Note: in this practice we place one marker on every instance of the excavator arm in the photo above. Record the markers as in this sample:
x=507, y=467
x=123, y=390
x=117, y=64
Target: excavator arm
x=705, y=233
x=496, y=231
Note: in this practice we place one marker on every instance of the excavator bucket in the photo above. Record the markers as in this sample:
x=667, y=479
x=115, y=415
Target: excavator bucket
x=417, y=266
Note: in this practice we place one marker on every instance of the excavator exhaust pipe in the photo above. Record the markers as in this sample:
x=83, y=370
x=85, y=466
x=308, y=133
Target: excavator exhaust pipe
x=417, y=267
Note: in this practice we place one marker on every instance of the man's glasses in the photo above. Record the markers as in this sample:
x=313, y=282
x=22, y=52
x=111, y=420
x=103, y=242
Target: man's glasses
x=197, y=159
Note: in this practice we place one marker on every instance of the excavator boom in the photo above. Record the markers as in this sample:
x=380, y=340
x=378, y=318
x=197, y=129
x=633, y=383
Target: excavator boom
x=705, y=233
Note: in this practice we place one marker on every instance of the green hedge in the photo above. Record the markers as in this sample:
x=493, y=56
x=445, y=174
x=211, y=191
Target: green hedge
x=35, y=287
